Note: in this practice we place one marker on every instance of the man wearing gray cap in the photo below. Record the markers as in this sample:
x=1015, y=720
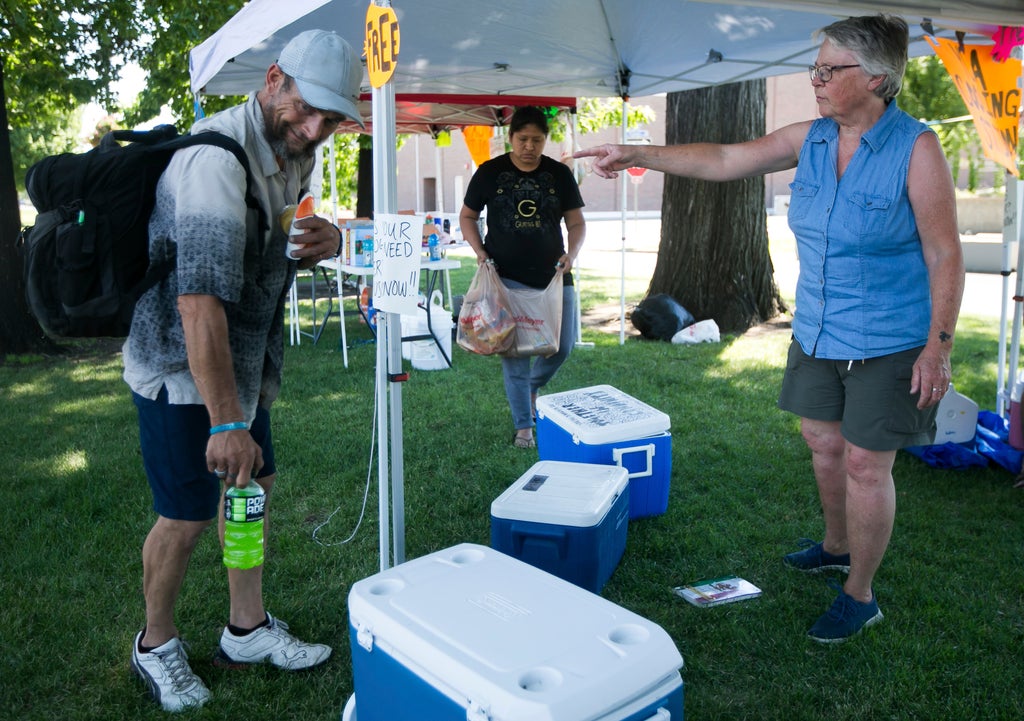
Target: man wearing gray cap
x=204, y=355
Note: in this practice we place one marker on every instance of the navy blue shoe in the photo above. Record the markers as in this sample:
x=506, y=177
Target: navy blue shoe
x=815, y=559
x=845, y=619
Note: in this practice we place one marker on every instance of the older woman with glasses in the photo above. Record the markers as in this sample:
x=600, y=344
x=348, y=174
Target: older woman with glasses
x=878, y=295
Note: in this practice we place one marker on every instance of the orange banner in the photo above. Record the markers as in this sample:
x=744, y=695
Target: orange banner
x=478, y=140
x=991, y=90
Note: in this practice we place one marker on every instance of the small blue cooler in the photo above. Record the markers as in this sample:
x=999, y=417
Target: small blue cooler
x=569, y=519
x=601, y=424
x=471, y=633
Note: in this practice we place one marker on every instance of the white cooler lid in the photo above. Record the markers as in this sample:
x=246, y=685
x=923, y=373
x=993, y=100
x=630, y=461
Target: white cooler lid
x=602, y=414
x=493, y=633
x=562, y=493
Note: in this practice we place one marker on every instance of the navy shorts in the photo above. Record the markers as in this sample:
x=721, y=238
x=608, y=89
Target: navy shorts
x=173, y=440
x=870, y=398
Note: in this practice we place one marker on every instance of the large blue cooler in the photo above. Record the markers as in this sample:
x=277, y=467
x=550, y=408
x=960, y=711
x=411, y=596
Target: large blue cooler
x=569, y=519
x=601, y=424
x=472, y=634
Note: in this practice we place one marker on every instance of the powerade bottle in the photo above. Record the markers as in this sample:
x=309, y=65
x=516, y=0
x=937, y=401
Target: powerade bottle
x=243, y=526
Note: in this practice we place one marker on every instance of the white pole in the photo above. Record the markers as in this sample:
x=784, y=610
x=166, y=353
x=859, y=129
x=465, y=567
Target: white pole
x=624, y=180
x=389, y=340
x=419, y=175
x=334, y=178
x=1002, y=387
x=438, y=181
x=574, y=146
x=1018, y=197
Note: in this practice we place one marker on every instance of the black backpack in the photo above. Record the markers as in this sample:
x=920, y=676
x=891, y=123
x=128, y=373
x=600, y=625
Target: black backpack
x=86, y=259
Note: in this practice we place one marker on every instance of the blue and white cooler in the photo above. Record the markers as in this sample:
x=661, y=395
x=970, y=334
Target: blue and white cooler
x=601, y=424
x=569, y=519
x=469, y=633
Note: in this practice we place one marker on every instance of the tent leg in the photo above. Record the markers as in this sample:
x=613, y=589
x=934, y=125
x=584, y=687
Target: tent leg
x=1014, y=195
x=623, y=179
x=1002, y=393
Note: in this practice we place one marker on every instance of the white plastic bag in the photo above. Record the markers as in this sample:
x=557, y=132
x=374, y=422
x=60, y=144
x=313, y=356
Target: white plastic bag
x=703, y=331
x=538, y=317
x=485, y=320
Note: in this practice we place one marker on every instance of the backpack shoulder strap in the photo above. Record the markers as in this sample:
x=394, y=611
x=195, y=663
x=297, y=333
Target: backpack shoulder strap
x=161, y=270
x=228, y=143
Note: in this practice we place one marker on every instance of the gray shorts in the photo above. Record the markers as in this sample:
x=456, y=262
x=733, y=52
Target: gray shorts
x=871, y=398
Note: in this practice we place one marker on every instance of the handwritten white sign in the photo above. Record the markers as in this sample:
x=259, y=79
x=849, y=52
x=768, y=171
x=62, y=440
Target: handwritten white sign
x=397, y=246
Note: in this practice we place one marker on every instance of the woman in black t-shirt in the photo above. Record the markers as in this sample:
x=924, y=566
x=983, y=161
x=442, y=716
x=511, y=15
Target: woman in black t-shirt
x=527, y=196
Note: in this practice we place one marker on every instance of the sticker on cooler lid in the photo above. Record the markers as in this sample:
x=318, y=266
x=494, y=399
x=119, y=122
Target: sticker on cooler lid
x=599, y=414
x=598, y=407
x=534, y=483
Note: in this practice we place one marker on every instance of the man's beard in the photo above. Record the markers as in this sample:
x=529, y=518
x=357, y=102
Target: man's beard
x=279, y=145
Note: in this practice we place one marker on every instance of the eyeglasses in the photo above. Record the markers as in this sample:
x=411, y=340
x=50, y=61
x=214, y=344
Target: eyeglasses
x=824, y=72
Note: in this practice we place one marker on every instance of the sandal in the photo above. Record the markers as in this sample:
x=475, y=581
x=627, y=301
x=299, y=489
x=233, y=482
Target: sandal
x=523, y=442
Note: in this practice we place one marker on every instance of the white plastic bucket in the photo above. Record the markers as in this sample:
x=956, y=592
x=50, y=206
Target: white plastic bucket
x=425, y=354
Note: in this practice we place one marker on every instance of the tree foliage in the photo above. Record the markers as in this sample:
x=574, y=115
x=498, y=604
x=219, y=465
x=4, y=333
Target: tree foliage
x=52, y=60
x=929, y=94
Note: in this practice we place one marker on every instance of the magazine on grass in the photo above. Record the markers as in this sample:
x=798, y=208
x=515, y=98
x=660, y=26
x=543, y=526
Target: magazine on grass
x=718, y=591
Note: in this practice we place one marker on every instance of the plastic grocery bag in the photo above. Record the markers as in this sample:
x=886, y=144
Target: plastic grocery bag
x=538, y=319
x=703, y=331
x=485, y=320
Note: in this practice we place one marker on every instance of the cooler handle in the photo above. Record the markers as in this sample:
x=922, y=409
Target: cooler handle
x=364, y=636
x=662, y=714
x=522, y=534
x=618, y=453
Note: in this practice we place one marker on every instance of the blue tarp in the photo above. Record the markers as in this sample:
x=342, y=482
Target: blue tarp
x=988, y=445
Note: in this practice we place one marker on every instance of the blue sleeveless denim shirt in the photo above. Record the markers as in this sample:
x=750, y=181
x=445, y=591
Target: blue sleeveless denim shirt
x=862, y=290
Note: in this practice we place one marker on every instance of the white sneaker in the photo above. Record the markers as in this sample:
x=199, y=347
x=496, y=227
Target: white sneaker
x=273, y=644
x=170, y=679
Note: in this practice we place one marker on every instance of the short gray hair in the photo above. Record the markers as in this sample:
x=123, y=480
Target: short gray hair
x=880, y=44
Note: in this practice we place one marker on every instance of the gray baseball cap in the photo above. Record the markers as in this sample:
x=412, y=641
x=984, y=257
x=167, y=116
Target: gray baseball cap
x=327, y=71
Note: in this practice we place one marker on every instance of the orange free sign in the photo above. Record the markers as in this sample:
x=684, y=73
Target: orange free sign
x=992, y=94
x=380, y=45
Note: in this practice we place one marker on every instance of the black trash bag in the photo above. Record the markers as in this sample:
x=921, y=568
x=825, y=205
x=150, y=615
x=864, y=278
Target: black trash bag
x=659, y=317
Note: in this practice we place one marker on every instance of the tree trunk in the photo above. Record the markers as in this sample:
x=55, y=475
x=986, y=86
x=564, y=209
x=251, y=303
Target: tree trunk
x=713, y=257
x=19, y=331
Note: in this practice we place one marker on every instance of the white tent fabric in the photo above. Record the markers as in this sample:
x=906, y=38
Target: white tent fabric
x=584, y=48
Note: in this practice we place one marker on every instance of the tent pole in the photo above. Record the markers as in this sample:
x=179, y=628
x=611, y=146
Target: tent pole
x=438, y=181
x=334, y=177
x=623, y=180
x=389, y=342
x=1017, y=197
x=575, y=125
x=419, y=175
x=1003, y=388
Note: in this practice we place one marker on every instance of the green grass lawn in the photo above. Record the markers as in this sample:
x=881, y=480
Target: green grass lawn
x=77, y=508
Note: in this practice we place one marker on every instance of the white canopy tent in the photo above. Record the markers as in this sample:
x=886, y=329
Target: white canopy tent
x=584, y=48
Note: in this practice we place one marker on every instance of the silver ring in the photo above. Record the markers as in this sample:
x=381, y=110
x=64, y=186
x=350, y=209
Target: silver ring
x=220, y=473
x=935, y=390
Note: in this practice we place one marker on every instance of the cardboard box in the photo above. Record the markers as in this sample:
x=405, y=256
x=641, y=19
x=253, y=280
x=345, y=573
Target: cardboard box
x=471, y=633
x=569, y=519
x=601, y=424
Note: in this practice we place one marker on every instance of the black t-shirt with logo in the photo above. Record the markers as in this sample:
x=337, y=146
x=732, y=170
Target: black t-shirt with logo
x=524, y=216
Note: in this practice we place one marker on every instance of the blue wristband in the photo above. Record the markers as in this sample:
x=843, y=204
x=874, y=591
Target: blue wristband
x=236, y=426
